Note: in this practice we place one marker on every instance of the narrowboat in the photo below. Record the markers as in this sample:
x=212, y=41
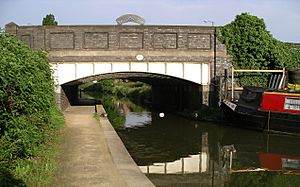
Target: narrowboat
x=265, y=109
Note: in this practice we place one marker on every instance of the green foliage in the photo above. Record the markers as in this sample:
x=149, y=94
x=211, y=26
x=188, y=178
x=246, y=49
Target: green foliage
x=253, y=47
x=131, y=105
x=132, y=90
x=49, y=19
x=39, y=171
x=134, y=93
x=27, y=111
x=247, y=179
x=254, y=79
x=115, y=116
x=111, y=89
x=283, y=55
x=104, y=86
x=295, y=57
x=26, y=85
x=248, y=41
x=262, y=179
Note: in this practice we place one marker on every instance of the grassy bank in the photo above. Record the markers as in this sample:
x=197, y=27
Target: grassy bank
x=263, y=179
x=112, y=91
x=29, y=120
x=39, y=169
x=115, y=116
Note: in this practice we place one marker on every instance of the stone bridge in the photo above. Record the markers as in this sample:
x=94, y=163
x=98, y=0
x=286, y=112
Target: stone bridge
x=167, y=57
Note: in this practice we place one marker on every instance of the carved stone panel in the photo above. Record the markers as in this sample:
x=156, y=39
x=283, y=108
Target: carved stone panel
x=199, y=41
x=130, y=18
x=95, y=40
x=165, y=41
x=39, y=39
x=26, y=39
x=131, y=40
x=63, y=40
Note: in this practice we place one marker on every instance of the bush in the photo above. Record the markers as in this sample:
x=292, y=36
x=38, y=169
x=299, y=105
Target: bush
x=26, y=100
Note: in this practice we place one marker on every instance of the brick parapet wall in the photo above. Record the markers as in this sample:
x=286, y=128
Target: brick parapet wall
x=119, y=37
x=156, y=43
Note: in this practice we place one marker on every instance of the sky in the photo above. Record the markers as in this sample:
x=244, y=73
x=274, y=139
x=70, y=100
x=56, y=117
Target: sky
x=282, y=17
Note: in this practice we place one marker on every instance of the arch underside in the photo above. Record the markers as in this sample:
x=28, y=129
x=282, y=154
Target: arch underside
x=149, y=78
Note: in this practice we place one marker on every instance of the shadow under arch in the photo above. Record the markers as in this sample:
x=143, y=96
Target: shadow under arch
x=168, y=93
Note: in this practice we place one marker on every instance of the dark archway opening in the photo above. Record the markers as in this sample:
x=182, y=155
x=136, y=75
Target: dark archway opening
x=168, y=93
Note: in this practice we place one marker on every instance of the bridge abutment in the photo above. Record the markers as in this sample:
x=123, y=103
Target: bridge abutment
x=66, y=96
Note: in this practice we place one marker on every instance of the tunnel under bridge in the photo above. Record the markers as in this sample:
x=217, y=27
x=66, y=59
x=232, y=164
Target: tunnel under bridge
x=168, y=93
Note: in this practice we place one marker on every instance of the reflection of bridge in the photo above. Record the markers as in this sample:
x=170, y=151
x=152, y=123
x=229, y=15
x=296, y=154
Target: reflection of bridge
x=84, y=53
x=194, y=170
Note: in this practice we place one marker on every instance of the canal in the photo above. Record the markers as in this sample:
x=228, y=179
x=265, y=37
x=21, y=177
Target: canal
x=173, y=151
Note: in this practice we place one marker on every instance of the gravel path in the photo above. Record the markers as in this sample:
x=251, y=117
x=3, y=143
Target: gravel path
x=85, y=158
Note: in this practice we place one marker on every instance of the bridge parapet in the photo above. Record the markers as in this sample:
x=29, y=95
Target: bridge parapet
x=111, y=37
x=122, y=43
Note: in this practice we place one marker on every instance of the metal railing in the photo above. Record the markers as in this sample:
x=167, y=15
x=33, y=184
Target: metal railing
x=275, y=81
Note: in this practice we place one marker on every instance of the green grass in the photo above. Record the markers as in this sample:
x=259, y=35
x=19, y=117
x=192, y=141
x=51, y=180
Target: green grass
x=96, y=116
x=38, y=170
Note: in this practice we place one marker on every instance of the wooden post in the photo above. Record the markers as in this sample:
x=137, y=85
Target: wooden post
x=232, y=87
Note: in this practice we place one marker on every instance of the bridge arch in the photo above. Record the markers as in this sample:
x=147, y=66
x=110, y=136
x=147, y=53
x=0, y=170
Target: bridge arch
x=72, y=73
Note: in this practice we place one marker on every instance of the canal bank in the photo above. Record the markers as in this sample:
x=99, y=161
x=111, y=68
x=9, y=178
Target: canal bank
x=126, y=166
x=88, y=153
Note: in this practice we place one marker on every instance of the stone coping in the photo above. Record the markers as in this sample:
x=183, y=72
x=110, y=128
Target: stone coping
x=126, y=166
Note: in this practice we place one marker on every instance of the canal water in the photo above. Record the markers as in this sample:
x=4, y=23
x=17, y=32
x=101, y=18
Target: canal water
x=173, y=151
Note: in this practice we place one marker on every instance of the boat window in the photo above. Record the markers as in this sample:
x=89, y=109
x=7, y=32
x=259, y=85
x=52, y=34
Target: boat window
x=292, y=103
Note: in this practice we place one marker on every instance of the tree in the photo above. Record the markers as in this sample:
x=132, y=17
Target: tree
x=248, y=42
x=49, y=19
x=253, y=47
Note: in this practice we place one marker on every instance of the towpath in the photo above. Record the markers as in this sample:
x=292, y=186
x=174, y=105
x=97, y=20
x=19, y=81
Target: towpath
x=85, y=157
x=92, y=154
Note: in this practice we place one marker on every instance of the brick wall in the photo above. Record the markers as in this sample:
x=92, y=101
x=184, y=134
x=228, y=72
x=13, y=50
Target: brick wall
x=170, y=43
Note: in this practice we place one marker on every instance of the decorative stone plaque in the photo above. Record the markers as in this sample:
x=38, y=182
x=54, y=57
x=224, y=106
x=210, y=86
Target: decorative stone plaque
x=130, y=18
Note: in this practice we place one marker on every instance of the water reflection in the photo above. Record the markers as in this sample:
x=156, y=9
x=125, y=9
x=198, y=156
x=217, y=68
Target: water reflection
x=198, y=163
x=278, y=162
x=173, y=151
